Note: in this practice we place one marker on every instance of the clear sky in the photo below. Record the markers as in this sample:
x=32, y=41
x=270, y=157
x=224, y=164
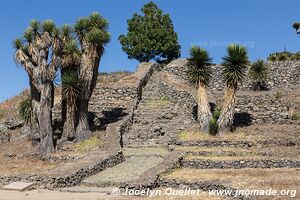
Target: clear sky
x=264, y=26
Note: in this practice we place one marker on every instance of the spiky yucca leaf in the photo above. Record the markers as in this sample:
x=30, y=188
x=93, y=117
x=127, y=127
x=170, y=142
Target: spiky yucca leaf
x=56, y=32
x=25, y=49
x=81, y=26
x=216, y=114
x=213, y=126
x=66, y=32
x=28, y=35
x=97, y=36
x=71, y=53
x=258, y=71
x=25, y=109
x=48, y=26
x=199, y=66
x=17, y=43
x=35, y=26
x=97, y=21
x=234, y=64
x=71, y=87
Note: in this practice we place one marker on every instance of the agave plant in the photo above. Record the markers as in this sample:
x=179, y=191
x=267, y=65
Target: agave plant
x=199, y=74
x=25, y=109
x=258, y=72
x=233, y=72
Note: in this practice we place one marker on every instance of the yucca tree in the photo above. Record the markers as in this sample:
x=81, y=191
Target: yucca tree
x=70, y=87
x=233, y=71
x=199, y=74
x=39, y=53
x=92, y=34
x=66, y=35
x=258, y=72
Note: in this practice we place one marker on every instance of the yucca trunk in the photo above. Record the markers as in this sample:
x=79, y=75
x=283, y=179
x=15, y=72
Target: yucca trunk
x=69, y=125
x=88, y=74
x=226, y=118
x=204, y=113
x=35, y=103
x=63, y=102
x=45, y=117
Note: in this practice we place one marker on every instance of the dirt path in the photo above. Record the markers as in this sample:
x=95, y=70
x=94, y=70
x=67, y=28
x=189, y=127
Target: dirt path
x=50, y=195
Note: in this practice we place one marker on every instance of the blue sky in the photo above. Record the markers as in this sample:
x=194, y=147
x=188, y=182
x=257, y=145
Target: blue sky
x=264, y=26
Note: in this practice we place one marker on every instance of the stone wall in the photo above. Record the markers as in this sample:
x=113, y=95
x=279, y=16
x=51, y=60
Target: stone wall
x=281, y=75
x=253, y=106
x=67, y=178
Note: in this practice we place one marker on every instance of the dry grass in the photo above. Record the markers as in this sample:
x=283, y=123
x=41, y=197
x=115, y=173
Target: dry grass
x=89, y=144
x=254, y=133
x=195, y=134
x=223, y=158
x=260, y=152
x=24, y=166
x=279, y=179
x=158, y=103
x=9, y=108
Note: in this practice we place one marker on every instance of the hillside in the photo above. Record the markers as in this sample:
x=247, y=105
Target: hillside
x=147, y=136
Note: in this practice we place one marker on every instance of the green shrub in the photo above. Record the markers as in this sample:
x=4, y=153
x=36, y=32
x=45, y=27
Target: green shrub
x=295, y=116
x=216, y=114
x=25, y=109
x=283, y=56
x=258, y=73
x=213, y=123
x=213, y=126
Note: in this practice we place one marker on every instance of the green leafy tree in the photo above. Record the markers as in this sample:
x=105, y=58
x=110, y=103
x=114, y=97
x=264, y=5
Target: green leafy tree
x=258, y=72
x=199, y=74
x=151, y=36
x=233, y=72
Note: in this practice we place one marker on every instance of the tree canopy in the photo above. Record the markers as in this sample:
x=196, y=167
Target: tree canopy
x=151, y=36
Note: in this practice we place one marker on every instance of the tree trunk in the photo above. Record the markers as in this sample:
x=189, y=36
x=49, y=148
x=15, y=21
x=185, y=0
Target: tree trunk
x=34, y=124
x=88, y=74
x=83, y=128
x=204, y=113
x=69, y=125
x=226, y=118
x=63, y=102
x=45, y=119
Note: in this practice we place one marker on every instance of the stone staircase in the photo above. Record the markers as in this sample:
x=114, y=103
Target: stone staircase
x=158, y=117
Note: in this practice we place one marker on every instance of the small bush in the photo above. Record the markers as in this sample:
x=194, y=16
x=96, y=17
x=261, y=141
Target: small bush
x=213, y=127
x=278, y=95
x=216, y=114
x=295, y=116
x=25, y=109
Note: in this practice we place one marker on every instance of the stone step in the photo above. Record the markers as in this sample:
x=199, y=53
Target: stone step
x=18, y=186
x=128, y=171
x=140, y=169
